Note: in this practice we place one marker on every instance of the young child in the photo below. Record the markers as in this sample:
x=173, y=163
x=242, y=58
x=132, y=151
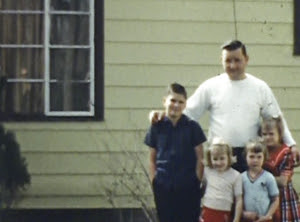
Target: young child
x=280, y=164
x=175, y=146
x=261, y=195
x=223, y=184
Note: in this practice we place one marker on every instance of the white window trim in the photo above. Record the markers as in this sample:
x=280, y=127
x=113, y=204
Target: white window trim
x=48, y=13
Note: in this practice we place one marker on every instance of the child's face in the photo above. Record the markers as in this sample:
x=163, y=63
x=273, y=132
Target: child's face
x=174, y=105
x=271, y=137
x=219, y=160
x=255, y=160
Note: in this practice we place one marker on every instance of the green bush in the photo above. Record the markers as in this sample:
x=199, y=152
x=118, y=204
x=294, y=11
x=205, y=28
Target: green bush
x=14, y=175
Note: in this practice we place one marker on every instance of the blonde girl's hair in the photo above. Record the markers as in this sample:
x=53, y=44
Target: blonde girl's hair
x=257, y=146
x=220, y=145
x=271, y=122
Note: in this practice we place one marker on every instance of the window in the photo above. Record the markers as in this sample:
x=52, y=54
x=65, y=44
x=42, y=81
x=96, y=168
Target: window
x=51, y=62
x=296, y=27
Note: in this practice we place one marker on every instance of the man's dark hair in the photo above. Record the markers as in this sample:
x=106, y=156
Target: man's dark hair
x=233, y=45
x=176, y=88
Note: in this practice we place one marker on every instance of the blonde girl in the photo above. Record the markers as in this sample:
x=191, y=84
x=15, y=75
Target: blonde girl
x=223, y=184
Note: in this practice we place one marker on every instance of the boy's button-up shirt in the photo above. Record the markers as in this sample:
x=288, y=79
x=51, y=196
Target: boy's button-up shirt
x=175, y=146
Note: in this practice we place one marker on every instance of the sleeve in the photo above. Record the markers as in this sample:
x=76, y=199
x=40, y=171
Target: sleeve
x=238, y=186
x=270, y=107
x=198, y=103
x=198, y=134
x=272, y=186
x=150, y=138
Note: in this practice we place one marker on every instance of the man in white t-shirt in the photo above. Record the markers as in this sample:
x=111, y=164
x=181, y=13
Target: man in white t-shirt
x=236, y=101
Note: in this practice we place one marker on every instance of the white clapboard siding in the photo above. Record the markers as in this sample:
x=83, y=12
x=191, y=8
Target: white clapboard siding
x=196, y=32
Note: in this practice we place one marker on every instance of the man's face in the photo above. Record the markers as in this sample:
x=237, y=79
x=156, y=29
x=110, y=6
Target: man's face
x=234, y=63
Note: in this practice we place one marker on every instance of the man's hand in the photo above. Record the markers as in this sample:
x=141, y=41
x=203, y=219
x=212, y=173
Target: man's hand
x=296, y=155
x=156, y=115
x=282, y=180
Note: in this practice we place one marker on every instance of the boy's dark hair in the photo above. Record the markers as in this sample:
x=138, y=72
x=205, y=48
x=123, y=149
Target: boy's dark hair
x=176, y=88
x=233, y=45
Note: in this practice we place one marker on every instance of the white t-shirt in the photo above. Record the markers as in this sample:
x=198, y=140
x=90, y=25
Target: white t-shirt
x=221, y=188
x=236, y=108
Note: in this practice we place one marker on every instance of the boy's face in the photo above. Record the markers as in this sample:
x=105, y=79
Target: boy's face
x=255, y=160
x=174, y=105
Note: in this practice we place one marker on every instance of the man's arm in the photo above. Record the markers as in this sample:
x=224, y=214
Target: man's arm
x=198, y=103
x=288, y=140
x=152, y=164
x=199, y=155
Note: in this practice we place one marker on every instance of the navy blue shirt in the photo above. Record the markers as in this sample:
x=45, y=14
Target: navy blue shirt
x=175, y=151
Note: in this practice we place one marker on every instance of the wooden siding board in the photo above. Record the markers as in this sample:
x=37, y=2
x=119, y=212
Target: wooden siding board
x=193, y=54
x=197, y=32
x=169, y=10
x=158, y=75
x=87, y=163
x=265, y=11
x=247, y=11
x=150, y=53
x=267, y=33
x=85, y=141
x=57, y=202
x=163, y=31
x=97, y=184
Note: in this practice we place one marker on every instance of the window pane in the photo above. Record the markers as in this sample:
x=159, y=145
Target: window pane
x=21, y=29
x=21, y=4
x=69, y=64
x=69, y=75
x=22, y=63
x=22, y=98
x=70, y=29
x=72, y=5
x=68, y=96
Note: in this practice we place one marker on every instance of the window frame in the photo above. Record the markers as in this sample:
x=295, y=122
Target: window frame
x=296, y=27
x=98, y=86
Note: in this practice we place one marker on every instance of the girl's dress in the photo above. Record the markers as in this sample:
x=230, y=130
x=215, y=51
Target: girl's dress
x=221, y=190
x=280, y=162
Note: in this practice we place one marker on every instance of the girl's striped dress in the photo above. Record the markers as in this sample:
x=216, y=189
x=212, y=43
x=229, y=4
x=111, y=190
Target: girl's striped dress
x=280, y=162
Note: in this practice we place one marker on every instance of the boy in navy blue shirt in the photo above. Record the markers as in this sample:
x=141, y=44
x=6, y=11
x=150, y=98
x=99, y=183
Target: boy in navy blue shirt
x=175, y=150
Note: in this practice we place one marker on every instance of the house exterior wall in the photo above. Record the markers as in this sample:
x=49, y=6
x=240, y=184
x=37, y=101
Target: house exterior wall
x=149, y=44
